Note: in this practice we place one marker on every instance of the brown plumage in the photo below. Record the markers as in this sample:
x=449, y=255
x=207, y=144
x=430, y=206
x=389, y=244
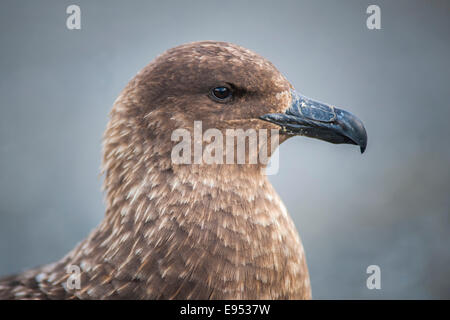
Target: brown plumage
x=184, y=231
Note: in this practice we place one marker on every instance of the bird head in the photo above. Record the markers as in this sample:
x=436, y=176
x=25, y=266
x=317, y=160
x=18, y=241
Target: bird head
x=222, y=86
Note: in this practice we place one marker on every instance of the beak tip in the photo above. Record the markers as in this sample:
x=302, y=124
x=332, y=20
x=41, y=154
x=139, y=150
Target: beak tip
x=363, y=143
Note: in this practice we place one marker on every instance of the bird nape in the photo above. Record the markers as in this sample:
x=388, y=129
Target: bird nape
x=193, y=230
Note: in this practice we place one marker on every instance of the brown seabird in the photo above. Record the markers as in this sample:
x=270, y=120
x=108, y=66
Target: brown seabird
x=200, y=231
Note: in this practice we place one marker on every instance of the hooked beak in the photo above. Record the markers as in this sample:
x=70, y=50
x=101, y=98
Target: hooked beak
x=313, y=119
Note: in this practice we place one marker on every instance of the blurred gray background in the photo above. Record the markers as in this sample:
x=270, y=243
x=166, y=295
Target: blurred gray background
x=388, y=207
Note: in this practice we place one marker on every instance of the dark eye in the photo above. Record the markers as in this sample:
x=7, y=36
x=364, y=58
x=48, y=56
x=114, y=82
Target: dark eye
x=221, y=93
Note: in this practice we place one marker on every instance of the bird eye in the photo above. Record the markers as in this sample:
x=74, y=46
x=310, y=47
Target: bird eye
x=221, y=93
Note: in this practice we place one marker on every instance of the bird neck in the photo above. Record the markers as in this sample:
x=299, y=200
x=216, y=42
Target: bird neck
x=143, y=183
x=156, y=208
x=158, y=190
x=208, y=225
